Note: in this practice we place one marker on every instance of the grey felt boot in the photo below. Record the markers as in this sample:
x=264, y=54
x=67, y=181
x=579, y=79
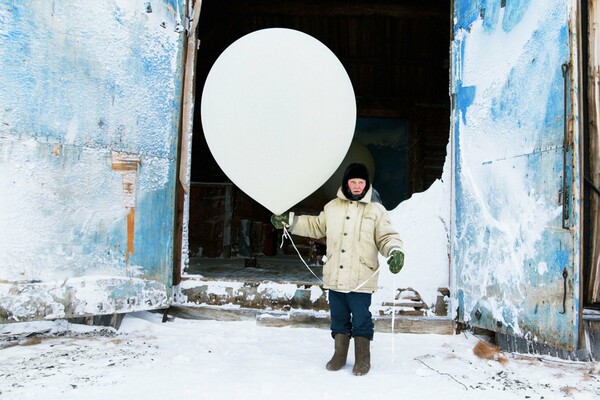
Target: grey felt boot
x=362, y=355
x=342, y=342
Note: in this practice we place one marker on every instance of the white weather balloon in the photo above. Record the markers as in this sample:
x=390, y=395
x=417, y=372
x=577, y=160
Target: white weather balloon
x=278, y=112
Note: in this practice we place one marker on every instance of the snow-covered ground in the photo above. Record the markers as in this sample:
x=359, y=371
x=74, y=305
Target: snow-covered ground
x=199, y=359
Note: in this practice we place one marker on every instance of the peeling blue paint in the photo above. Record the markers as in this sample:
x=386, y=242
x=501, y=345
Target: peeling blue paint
x=85, y=86
x=490, y=12
x=513, y=13
x=465, y=13
x=510, y=250
x=463, y=95
x=152, y=212
x=464, y=98
x=173, y=4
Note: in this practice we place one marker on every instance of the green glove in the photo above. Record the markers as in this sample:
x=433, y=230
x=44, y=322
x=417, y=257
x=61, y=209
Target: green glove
x=279, y=221
x=396, y=261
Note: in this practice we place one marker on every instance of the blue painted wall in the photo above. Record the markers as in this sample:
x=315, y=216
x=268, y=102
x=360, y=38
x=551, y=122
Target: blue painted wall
x=509, y=247
x=89, y=113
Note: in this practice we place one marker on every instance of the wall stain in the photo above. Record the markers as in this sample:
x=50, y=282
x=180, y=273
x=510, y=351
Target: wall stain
x=127, y=164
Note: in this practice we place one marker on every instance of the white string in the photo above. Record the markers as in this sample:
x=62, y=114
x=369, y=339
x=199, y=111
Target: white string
x=286, y=234
x=393, y=318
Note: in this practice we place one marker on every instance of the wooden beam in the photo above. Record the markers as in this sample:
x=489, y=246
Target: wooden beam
x=402, y=324
x=403, y=9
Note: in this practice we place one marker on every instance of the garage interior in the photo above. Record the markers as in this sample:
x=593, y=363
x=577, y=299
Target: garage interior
x=396, y=54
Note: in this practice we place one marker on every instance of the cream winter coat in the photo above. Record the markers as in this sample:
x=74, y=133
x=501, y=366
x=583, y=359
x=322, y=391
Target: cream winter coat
x=356, y=231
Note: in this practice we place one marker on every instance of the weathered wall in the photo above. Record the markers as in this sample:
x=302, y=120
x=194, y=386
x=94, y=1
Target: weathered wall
x=89, y=113
x=515, y=260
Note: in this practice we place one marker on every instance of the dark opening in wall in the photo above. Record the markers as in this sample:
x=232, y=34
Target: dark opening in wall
x=396, y=54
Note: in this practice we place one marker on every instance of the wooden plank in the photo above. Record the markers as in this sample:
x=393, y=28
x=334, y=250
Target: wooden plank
x=410, y=304
x=402, y=324
x=212, y=313
x=313, y=320
x=417, y=325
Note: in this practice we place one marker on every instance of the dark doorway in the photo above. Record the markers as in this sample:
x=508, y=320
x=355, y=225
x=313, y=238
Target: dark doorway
x=396, y=54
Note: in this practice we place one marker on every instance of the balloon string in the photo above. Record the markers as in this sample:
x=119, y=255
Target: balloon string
x=286, y=234
x=393, y=318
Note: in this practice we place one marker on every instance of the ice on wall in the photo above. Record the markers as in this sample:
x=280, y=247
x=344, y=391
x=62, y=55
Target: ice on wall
x=82, y=81
x=508, y=131
x=90, y=295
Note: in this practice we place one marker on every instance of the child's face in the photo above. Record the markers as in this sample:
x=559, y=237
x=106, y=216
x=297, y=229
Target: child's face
x=356, y=185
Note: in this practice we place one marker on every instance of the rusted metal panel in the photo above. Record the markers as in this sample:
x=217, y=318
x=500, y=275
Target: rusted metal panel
x=89, y=119
x=515, y=247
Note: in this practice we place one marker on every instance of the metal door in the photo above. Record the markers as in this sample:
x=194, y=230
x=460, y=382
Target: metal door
x=515, y=245
x=89, y=118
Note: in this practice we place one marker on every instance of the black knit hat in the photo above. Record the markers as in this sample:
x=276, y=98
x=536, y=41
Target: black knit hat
x=355, y=170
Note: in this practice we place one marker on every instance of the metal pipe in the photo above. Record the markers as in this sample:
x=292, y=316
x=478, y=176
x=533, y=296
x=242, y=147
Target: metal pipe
x=565, y=192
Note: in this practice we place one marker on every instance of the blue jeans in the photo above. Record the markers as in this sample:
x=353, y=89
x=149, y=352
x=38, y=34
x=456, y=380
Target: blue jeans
x=350, y=314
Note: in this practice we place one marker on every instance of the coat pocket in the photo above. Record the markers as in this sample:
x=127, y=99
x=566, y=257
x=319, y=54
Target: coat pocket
x=367, y=263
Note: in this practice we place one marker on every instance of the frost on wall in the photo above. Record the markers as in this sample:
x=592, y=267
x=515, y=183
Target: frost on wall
x=88, y=133
x=509, y=249
x=95, y=295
